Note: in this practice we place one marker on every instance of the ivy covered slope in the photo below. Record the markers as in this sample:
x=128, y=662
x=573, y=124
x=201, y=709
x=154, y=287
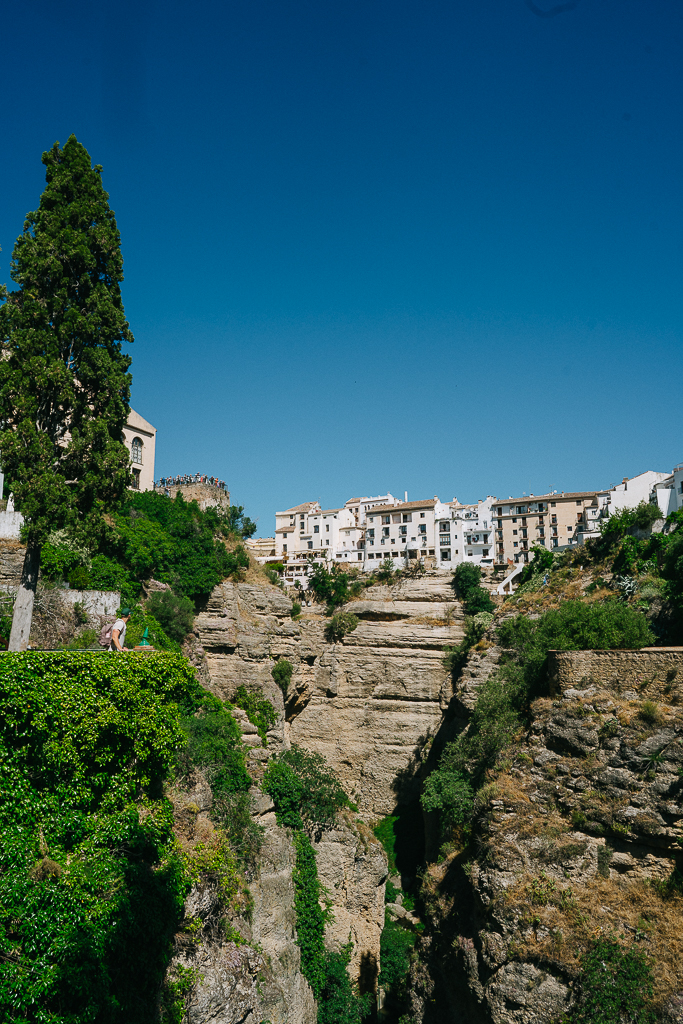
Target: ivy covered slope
x=555, y=889
x=92, y=882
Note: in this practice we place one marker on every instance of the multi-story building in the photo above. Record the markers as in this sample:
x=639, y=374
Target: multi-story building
x=549, y=520
x=402, y=530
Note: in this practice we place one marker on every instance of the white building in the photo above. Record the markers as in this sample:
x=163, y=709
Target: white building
x=464, y=533
x=630, y=493
x=402, y=530
x=668, y=493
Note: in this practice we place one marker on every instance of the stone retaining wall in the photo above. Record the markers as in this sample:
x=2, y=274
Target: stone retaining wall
x=659, y=670
x=206, y=495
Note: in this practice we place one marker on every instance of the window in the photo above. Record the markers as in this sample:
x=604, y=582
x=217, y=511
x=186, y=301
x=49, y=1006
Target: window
x=316, y=529
x=393, y=541
x=514, y=533
x=422, y=515
x=515, y=544
x=578, y=503
x=500, y=523
x=136, y=479
x=445, y=554
x=443, y=527
x=553, y=504
x=431, y=551
x=360, y=558
x=396, y=518
x=136, y=451
x=485, y=552
x=569, y=529
x=403, y=530
x=371, y=533
x=327, y=543
x=385, y=531
x=386, y=519
x=327, y=527
x=486, y=538
x=555, y=542
x=310, y=545
x=422, y=527
x=407, y=517
x=524, y=521
x=525, y=533
x=301, y=518
x=284, y=536
x=514, y=519
x=541, y=532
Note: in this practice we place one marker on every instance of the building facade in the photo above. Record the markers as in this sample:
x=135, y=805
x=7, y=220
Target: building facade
x=554, y=520
x=140, y=438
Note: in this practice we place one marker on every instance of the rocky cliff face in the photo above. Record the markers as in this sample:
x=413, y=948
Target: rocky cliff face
x=368, y=703
x=576, y=838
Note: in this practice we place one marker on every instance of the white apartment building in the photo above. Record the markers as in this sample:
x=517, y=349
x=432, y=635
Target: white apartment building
x=630, y=493
x=402, y=530
x=464, y=533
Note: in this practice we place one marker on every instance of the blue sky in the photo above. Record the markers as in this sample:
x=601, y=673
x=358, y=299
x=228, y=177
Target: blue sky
x=426, y=246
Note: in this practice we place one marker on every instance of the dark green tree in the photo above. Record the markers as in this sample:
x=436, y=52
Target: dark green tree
x=64, y=381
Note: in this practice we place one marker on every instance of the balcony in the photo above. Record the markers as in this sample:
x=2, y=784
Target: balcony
x=444, y=539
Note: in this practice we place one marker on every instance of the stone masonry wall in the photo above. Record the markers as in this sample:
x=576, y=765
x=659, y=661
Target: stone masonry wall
x=660, y=669
x=206, y=495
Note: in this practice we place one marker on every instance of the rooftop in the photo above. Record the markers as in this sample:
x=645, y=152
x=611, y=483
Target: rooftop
x=527, y=498
x=405, y=506
x=307, y=505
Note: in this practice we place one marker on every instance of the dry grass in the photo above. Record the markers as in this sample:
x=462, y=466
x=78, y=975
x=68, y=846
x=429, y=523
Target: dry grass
x=573, y=917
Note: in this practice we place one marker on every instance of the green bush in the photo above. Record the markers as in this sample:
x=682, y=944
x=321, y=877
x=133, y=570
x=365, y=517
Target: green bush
x=449, y=793
x=140, y=620
x=91, y=883
x=385, y=831
x=260, y=711
x=329, y=587
x=282, y=674
x=58, y=560
x=296, y=609
x=339, y=1003
x=79, y=578
x=542, y=562
x=305, y=790
x=615, y=986
x=396, y=946
x=466, y=580
x=108, y=574
x=174, y=614
x=214, y=744
x=339, y=626
x=386, y=572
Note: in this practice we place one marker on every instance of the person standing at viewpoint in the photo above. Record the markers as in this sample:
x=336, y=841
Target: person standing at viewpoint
x=118, y=631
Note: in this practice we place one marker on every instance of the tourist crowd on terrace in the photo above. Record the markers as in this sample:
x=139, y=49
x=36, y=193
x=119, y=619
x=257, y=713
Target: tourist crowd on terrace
x=191, y=478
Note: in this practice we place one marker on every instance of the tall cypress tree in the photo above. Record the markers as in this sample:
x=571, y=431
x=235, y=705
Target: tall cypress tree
x=64, y=381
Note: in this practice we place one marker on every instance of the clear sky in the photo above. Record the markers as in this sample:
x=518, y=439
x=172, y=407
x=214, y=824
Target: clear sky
x=431, y=246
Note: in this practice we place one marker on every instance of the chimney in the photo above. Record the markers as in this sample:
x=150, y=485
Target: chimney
x=405, y=495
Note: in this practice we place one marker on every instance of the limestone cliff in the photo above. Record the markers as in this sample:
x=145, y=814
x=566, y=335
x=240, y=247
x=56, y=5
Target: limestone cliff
x=368, y=703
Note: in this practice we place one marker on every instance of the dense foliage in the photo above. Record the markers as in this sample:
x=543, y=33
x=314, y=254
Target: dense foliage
x=329, y=587
x=307, y=797
x=260, y=711
x=174, y=614
x=153, y=536
x=466, y=581
x=615, y=986
x=91, y=883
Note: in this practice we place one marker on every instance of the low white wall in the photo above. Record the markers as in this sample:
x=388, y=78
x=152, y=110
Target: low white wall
x=95, y=602
x=10, y=525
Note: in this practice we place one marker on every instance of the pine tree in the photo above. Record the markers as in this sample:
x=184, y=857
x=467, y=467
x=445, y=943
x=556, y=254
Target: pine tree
x=64, y=381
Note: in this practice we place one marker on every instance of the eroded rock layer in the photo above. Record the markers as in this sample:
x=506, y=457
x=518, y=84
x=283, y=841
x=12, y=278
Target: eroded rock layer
x=367, y=703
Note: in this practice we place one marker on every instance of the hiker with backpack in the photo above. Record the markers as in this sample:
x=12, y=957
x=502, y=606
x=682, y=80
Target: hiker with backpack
x=113, y=635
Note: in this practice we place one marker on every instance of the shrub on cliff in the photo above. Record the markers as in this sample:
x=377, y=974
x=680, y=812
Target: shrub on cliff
x=174, y=614
x=615, y=986
x=339, y=626
x=466, y=580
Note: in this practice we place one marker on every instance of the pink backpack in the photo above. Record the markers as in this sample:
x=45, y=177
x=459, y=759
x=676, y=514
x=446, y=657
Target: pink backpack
x=105, y=634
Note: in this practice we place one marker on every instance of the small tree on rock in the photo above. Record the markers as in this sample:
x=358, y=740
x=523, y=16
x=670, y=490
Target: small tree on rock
x=64, y=381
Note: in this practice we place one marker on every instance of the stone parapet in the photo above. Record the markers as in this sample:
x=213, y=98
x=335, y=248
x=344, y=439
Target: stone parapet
x=659, y=669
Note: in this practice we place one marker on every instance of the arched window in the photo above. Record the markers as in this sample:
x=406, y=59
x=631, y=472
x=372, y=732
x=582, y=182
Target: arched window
x=136, y=450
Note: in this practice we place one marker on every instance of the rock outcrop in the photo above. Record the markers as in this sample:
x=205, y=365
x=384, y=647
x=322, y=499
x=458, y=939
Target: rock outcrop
x=576, y=838
x=368, y=703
